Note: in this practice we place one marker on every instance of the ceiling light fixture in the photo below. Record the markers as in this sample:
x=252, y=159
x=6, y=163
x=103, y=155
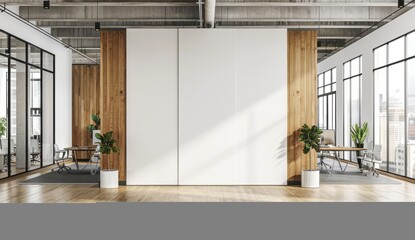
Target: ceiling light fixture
x=401, y=3
x=97, y=24
x=46, y=4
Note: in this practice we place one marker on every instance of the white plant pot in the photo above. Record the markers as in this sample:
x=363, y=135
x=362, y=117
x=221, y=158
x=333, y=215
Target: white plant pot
x=95, y=140
x=108, y=178
x=310, y=178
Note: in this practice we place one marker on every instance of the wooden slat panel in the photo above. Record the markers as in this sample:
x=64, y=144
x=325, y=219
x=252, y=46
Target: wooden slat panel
x=302, y=98
x=85, y=101
x=113, y=90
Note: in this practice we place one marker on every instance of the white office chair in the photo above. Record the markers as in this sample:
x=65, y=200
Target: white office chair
x=59, y=157
x=370, y=158
x=4, y=152
x=327, y=138
x=34, y=150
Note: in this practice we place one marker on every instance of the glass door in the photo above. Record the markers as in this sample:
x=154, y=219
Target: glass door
x=35, y=118
x=4, y=152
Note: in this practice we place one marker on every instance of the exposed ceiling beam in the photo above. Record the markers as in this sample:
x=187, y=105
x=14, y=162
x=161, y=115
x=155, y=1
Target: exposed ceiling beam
x=117, y=19
x=217, y=26
x=335, y=37
x=92, y=37
x=217, y=19
x=352, y=13
x=220, y=3
x=302, y=26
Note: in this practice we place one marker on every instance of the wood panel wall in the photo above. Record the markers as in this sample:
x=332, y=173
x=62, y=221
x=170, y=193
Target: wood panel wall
x=85, y=101
x=302, y=98
x=113, y=95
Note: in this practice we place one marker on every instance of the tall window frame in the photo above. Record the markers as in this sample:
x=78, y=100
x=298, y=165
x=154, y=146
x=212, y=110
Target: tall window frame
x=399, y=53
x=352, y=104
x=326, y=98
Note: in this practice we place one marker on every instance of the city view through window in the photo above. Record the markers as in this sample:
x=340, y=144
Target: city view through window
x=394, y=104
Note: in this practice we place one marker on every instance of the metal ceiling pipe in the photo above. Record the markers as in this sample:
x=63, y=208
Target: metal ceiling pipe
x=210, y=13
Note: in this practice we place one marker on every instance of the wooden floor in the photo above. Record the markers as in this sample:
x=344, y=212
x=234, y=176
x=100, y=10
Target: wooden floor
x=13, y=192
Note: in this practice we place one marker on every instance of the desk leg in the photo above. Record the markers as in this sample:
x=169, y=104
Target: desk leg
x=75, y=158
x=338, y=161
x=323, y=163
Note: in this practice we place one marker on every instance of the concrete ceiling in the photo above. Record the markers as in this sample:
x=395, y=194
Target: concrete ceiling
x=337, y=21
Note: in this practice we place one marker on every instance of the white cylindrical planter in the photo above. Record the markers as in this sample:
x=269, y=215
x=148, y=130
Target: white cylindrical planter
x=108, y=178
x=310, y=178
x=95, y=140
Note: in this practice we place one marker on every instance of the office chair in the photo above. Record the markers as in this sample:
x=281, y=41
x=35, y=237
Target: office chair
x=34, y=150
x=95, y=159
x=327, y=138
x=371, y=158
x=4, y=153
x=59, y=157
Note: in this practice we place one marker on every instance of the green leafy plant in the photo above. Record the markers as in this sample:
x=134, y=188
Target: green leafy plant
x=106, y=145
x=3, y=126
x=359, y=134
x=97, y=121
x=311, y=139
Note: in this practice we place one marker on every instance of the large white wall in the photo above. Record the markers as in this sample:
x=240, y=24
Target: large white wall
x=204, y=107
x=63, y=73
x=396, y=28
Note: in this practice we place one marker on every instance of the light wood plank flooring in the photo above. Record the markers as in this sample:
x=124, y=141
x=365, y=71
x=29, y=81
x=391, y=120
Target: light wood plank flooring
x=13, y=192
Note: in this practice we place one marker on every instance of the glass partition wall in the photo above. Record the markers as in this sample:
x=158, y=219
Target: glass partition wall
x=26, y=106
x=394, y=104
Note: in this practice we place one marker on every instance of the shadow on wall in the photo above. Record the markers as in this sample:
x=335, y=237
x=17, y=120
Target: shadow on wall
x=248, y=141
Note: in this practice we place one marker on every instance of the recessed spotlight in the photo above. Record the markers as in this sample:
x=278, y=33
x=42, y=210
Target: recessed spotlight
x=401, y=3
x=97, y=26
x=46, y=4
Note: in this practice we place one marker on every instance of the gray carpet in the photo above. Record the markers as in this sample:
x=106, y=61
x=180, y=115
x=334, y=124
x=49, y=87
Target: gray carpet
x=71, y=177
x=352, y=176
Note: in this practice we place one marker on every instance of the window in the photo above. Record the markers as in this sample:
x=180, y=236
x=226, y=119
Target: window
x=394, y=104
x=327, y=99
x=352, y=78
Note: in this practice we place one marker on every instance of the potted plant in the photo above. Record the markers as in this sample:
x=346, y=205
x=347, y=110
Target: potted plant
x=358, y=135
x=108, y=177
x=311, y=139
x=94, y=128
x=3, y=127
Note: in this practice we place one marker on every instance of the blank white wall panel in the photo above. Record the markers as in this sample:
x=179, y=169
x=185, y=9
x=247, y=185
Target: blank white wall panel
x=232, y=107
x=261, y=108
x=152, y=107
x=207, y=107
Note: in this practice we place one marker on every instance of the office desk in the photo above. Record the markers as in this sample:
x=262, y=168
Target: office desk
x=338, y=149
x=80, y=149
